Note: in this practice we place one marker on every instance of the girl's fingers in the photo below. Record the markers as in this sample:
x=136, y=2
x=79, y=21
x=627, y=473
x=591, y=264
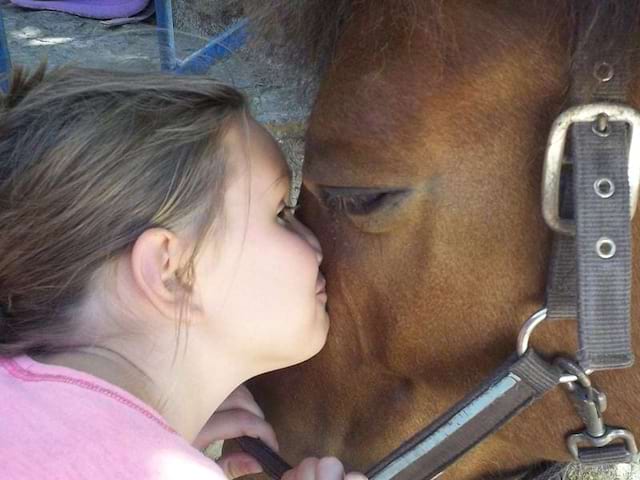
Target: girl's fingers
x=289, y=475
x=238, y=464
x=355, y=476
x=327, y=468
x=233, y=424
x=306, y=470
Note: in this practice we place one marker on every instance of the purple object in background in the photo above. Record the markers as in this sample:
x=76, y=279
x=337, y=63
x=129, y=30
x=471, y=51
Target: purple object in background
x=102, y=9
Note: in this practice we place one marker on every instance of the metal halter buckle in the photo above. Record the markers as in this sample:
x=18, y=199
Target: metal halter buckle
x=594, y=112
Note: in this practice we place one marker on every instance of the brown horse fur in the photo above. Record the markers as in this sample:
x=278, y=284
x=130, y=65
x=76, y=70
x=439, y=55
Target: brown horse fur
x=450, y=101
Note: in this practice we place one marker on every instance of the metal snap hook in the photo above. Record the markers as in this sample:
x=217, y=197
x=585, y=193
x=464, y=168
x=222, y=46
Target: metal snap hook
x=572, y=368
x=590, y=404
x=582, y=442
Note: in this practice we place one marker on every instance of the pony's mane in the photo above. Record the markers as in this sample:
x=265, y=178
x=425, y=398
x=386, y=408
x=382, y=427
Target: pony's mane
x=304, y=33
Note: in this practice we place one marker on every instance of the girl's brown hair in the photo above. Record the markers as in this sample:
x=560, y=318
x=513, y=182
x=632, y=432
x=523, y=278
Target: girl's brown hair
x=90, y=159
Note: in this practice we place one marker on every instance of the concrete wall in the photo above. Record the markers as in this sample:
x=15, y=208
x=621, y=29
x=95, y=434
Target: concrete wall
x=203, y=17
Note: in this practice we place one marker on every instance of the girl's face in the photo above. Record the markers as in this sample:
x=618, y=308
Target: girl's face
x=258, y=281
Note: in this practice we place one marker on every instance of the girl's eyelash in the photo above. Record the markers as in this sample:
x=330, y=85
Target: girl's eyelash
x=287, y=210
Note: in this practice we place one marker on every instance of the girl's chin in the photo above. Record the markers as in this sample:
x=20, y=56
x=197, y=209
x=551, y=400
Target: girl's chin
x=319, y=338
x=316, y=336
x=327, y=322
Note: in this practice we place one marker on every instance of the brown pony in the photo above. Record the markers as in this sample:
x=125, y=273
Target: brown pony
x=422, y=180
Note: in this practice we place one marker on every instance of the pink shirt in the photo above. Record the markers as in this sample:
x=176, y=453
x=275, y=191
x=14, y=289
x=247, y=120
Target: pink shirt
x=57, y=423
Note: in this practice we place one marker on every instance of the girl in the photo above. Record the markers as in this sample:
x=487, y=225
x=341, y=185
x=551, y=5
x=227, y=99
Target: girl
x=148, y=267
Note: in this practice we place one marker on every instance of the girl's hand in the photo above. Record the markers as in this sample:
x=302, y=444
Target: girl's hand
x=237, y=416
x=327, y=468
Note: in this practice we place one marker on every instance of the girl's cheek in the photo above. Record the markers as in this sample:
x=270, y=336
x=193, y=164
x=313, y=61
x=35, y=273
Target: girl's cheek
x=307, y=254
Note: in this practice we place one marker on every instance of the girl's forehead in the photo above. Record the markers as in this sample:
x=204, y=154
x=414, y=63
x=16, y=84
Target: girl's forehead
x=254, y=152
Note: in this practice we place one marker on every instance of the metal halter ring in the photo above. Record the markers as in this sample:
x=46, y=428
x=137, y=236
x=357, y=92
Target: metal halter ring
x=525, y=334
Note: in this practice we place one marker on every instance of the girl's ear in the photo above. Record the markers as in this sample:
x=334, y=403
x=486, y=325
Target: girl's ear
x=155, y=266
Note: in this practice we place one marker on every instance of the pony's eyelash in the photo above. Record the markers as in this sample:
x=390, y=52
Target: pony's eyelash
x=363, y=202
x=337, y=203
x=354, y=203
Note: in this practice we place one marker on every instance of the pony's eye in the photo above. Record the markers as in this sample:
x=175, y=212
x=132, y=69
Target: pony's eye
x=362, y=201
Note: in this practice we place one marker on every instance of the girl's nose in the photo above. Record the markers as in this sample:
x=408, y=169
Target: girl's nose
x=308, y=235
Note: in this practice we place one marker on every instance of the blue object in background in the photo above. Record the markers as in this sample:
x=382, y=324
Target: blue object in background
x=5, y=57
x=218, y=48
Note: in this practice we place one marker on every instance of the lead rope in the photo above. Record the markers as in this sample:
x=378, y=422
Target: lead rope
x=272, y=463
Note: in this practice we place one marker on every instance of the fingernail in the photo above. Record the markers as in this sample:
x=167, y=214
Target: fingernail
x=330, y=467
x=356, y=476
